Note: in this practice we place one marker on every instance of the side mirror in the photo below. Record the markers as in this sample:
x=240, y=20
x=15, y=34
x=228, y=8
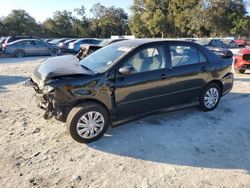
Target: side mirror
x=126, y=70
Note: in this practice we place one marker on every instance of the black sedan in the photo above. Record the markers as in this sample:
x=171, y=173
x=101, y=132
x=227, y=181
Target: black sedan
x=128, y=80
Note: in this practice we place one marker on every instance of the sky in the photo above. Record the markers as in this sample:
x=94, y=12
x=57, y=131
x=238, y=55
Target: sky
x=42, y=9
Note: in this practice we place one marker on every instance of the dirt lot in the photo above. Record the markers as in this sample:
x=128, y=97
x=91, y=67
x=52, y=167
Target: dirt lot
x=185, y=148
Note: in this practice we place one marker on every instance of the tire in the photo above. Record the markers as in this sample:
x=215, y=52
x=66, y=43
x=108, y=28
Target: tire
x=53, y=52
x=239, y=71
x=210, y=104
x=80, y=125
x=19, y=53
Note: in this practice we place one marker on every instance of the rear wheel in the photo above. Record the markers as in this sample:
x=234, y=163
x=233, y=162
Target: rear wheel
x=87, y=122
x=54, y=52
x=19, y=53
x=210, y=97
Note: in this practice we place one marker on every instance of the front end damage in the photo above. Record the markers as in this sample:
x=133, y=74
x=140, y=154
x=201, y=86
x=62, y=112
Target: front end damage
x=45, y=101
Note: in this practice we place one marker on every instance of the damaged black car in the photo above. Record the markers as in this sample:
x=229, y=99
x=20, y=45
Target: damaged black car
x=128, y=80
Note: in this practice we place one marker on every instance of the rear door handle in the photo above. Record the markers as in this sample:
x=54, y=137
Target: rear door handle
x=163, y=76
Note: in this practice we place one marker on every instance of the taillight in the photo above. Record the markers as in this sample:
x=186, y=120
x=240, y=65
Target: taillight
x=4, y=45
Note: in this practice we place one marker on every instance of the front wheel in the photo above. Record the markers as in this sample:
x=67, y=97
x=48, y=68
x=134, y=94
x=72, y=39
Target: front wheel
x=210, y=97
x=87, y=122
x=19, y=53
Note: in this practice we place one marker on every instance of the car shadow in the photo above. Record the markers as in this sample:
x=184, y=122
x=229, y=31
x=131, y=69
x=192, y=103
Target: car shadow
x=218, y=139
x=8, y=80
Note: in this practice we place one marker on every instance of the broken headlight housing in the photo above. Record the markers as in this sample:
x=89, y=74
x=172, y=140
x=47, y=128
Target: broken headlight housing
x=48, y=89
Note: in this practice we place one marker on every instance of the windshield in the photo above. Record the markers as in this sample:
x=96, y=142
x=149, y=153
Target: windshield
x=101, y=60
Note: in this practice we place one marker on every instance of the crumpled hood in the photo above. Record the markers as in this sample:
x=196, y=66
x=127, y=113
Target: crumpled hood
x=58, y=66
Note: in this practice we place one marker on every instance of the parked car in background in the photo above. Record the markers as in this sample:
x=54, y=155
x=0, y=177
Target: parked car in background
x=64, y=45
x=128, y=80
x=2, y=41
x=57, y=41
x=47, y=39
x=242, y=61
x=28, y=47
x=242, y=41
x=15, y=38
x=74, y=47
x=222, y=52
x=86, y=49
x=217, y=46
x=230, y=43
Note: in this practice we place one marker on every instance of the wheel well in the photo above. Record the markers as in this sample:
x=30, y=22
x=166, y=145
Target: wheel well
x=219, y=83
x=19, y=50
x=94, y=101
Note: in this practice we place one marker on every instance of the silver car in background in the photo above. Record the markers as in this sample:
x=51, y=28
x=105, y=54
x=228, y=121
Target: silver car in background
x=30, y=47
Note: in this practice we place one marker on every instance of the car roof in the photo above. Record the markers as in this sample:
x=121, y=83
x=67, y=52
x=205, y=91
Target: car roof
x=85, y=39
x=23, y=40
x=139, y=42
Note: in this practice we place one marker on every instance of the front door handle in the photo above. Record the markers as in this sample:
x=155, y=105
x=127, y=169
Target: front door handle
x=203, y=69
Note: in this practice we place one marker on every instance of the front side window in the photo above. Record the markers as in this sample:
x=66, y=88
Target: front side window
x=101, y=60
x=182, y=55
x=147, y=59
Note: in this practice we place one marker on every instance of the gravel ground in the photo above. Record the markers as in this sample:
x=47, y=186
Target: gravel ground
x=185, y=148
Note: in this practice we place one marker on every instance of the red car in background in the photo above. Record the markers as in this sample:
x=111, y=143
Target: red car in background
x=242, y=61
x=242, y=42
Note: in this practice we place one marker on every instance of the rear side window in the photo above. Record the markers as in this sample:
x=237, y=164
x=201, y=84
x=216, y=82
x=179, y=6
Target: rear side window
x=202, y=57
x=182, y=55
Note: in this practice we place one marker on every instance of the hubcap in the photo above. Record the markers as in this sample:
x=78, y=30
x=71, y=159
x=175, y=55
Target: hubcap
x=90, y=125
x=211, y=97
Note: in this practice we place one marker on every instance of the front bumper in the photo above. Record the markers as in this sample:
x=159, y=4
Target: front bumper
x=243, y=67
x=46, y=102
x=241, y=64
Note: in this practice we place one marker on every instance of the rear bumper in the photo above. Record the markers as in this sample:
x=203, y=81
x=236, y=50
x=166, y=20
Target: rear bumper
x=227, y=81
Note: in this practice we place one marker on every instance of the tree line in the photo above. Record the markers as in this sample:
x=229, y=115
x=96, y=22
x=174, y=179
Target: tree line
x=149, y=18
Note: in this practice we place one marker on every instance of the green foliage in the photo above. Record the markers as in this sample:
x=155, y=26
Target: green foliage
x=19, y=22
x=106, y=21
x=149, y=18
x=189, y=18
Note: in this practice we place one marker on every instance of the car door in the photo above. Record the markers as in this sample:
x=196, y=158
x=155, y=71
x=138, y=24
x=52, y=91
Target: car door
x=29, y=47
x=144, y=89
x=41, y=48
x=189, y=71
